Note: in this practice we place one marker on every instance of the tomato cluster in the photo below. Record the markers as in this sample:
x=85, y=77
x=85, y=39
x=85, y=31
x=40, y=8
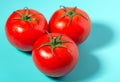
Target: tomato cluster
x=54, y=45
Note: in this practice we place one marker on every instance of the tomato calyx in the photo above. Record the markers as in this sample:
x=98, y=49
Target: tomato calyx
x=55, y=42
x=26, y=17
x=71, y=13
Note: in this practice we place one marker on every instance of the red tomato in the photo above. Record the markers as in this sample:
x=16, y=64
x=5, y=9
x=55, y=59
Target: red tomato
x=55, y=55
x=24, y=27
x=73, y=22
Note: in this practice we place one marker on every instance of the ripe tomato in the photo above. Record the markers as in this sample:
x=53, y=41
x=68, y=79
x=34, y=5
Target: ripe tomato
x=73, y=22
x=55, y=55
x=24, y=27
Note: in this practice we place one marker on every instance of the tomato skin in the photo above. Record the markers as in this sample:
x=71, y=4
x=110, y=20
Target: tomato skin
x=22, y=34
x=78, y=29
x=58, y=64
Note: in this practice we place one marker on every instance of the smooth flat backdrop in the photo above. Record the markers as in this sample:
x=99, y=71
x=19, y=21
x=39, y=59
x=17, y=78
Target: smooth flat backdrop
x=99, y=55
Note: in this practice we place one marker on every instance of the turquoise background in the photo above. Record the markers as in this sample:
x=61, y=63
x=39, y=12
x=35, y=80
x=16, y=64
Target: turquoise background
x=99, y=54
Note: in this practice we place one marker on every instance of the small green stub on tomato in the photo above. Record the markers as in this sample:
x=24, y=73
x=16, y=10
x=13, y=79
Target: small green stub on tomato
x=26, y=16
x=71, y=13
x=55, y=42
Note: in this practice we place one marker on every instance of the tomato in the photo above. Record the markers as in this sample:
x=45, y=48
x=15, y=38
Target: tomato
x=24, y=27
x=55, y=55
x=73, y=22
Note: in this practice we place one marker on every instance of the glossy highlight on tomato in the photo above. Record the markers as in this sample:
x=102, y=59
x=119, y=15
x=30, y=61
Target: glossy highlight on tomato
x=73, y=22
x=24, y=27
x=55, y=55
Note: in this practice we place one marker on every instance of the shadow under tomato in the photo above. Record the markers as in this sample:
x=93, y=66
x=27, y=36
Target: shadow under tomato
x=89, y=64
x=28, y=53
x=56, y=78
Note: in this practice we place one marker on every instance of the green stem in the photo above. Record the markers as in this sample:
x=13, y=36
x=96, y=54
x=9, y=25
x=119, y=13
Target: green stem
x=26, y=16
x=55, y=42
x=71, y=13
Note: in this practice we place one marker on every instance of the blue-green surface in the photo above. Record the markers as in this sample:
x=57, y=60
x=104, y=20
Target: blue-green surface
x=99, y=55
